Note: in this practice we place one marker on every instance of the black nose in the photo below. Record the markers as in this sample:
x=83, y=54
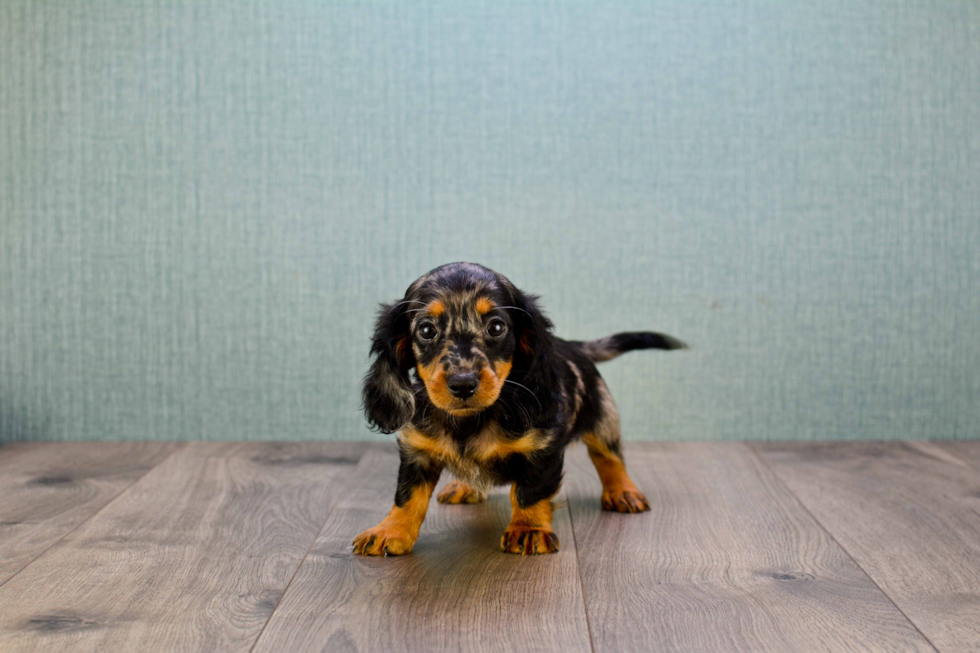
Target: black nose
x=463, y=385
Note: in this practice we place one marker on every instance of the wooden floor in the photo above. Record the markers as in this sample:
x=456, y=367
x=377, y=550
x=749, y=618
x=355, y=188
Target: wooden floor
x=240, y=547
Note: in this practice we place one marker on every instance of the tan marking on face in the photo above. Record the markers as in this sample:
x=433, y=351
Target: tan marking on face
x=491, y=383
x=436, y=308
x=491, y=380
x=484, y=305
x=434, y=377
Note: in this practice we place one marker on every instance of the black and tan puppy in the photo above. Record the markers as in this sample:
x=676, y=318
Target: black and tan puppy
x=469, y=373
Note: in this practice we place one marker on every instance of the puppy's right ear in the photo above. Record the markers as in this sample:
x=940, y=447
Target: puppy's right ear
x=389, y=402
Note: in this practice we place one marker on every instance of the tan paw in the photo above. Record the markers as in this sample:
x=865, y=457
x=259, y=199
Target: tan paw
x=625, y=501
x=383, y=540
x=459, y=492
x=528, y=541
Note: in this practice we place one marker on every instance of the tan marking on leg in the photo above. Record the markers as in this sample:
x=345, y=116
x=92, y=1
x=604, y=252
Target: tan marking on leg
x=396, y=534
x=460, y=492
x=619, y=493
x=529, y=531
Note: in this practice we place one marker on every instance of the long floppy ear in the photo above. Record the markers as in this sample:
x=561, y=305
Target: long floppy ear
x=535, y=342
x=534, y=360
x=389, y=402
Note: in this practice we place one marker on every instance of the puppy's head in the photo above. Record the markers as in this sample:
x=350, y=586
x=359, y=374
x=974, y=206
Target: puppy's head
x=465, y=330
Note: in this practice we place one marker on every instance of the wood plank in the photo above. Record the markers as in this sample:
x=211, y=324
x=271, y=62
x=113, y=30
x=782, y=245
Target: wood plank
x=727, y=559
x=909, y=514
x=7, y=449
x=966, y=451
x=456, y=592
x=50, y=488
x=193, y=556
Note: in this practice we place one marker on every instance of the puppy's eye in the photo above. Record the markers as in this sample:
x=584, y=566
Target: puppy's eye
x=427, y=332
x=496, y=328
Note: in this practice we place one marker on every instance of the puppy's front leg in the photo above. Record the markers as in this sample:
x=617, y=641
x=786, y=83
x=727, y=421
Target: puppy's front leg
x=396, y=534
x=529, y=531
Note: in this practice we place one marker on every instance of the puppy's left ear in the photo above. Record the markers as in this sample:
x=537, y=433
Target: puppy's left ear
x=389, y=402
x=535, y=342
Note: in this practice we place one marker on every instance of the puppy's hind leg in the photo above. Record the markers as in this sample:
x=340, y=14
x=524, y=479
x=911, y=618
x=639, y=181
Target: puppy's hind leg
x=459, y=492
x=619, y=493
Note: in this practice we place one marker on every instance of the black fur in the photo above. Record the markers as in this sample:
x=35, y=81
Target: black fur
x=624, y=342
x=385, y=410
x=610, y=347
x=552, y=390
x=412, y=474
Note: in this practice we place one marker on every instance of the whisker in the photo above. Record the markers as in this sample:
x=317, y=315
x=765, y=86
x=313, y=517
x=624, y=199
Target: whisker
x=516, y=308
x=526, y=388
x=524, y=413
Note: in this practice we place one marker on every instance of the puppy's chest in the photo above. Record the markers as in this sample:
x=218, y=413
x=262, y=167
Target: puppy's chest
x=477, y=473
x=473, y=460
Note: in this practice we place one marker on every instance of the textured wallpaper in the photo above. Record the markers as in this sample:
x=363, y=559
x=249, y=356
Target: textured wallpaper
x=201, y=204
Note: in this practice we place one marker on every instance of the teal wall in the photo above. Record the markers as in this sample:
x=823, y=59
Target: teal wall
x=201, y=204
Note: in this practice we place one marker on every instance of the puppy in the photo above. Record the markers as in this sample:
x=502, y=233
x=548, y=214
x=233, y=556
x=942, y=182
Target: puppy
x=467, y=370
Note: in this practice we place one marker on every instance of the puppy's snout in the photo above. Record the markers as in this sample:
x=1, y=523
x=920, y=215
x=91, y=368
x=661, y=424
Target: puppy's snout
x=463, y=385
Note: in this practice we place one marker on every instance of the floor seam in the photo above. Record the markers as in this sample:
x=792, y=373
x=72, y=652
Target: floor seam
x=578, y=568
x=822, y=527
x=183, y=445
x=306, y=555
x=970, y=464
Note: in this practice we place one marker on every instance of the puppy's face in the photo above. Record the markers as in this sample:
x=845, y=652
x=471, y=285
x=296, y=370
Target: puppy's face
x=463, y=342
x=463, y=328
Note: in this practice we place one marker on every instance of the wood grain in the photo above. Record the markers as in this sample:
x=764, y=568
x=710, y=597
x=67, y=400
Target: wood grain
x=909, y=514
x=726, y=560
x=963, y=451
x=194, y=556
x=456, y=592
x=48, y=489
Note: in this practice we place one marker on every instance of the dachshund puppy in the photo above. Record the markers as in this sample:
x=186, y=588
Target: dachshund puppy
x=467, y=370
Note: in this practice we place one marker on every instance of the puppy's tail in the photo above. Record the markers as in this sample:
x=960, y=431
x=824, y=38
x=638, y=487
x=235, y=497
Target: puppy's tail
x=608, y=348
